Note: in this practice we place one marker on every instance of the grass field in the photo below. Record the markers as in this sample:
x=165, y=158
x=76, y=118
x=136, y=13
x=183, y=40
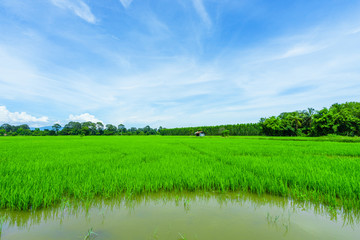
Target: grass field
x=41, y=171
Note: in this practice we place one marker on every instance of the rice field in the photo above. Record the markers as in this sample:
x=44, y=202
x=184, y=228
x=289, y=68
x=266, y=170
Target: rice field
x=38, y=172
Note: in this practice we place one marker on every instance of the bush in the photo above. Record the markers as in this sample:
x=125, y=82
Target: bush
x=225, y=133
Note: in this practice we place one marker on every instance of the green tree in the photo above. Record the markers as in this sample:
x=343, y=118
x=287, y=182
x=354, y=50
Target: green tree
x=6, y=127
x=100, y=128
x=2, y=132
x=91, y=126
x=110, y=129
x=56, y=127
x=225, y=133
x=72, y=128
x=36, y=132
x=147, y=130
x=296, y=121
x=24, y=126
x=85, y=130
x=132, y=130
x=121, y=128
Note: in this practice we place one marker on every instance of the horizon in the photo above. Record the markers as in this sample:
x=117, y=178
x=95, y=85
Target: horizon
x=174, y=64
x=154, y=127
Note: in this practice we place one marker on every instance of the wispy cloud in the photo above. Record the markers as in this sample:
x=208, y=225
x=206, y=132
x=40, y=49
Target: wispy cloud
x=126, y=3
x=161, y=69
x=200, y=9
x=184, y=91
x=79, y=8
x=85, y=117
x=63, y=85
x=355, y=30
x=306, y=75
x=300, y=50
x=19, y=117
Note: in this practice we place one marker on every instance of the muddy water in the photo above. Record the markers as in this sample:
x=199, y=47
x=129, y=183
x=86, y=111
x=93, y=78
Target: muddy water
x=182, y=216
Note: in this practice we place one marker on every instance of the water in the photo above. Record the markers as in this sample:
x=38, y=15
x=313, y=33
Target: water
x=201, y=216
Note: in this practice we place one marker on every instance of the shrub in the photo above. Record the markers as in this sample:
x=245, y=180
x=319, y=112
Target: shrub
x=225, y=133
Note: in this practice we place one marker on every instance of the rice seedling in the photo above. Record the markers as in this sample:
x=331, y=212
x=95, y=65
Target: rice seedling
x=280, y=222
x=38, y=172
x=2, y=220
x=182, y=237
x=155, y=235
x=90, y=234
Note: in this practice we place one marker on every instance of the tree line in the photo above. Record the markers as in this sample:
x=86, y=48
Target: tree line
x=339, y=119
x=248, y=129
x=77, y=128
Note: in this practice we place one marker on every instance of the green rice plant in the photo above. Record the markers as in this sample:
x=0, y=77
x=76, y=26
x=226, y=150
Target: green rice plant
x=281, y=222
x=90, y=234
x=187, y=205
x=182, y=237
x=38, y=172
x=155, y=235
x=2, y=220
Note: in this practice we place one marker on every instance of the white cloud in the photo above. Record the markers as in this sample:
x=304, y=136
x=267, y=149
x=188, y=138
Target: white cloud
x=126, y=3
x=85, y=117
x=31, y=84
x=355, y=31
x=200, y=9
x=300, y=50
x=19, y=117
x=183, y=89
x=79, y=8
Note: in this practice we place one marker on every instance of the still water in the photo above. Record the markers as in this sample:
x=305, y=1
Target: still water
x=201, y=216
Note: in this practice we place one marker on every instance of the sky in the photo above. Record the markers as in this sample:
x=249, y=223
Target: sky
x=174, y=63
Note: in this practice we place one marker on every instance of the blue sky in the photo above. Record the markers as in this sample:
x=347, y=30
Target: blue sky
x=174, y=63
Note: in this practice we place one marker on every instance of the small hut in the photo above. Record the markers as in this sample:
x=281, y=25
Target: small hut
x=200, y=134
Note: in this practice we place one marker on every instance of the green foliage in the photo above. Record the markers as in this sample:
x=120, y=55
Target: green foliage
x=90, y=234
x=72, y=128
x=23, y=129
x=76, y=128
x=225, y=133
x=340, y=119
x=249, y=129
x=88, y=128
x=40, y=172
x=85, y=131
x=121, y=128
x=56, y=127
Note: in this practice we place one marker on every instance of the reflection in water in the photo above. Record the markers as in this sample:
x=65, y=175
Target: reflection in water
x=200, y=215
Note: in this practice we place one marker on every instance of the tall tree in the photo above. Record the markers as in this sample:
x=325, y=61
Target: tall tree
x=296, y=120
x=73, y=128
x=91, y=126
x=24, y=126
x=110, y=129
x=121, y=127
x=56, y=127
x=6, y=127
x=100, y=127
